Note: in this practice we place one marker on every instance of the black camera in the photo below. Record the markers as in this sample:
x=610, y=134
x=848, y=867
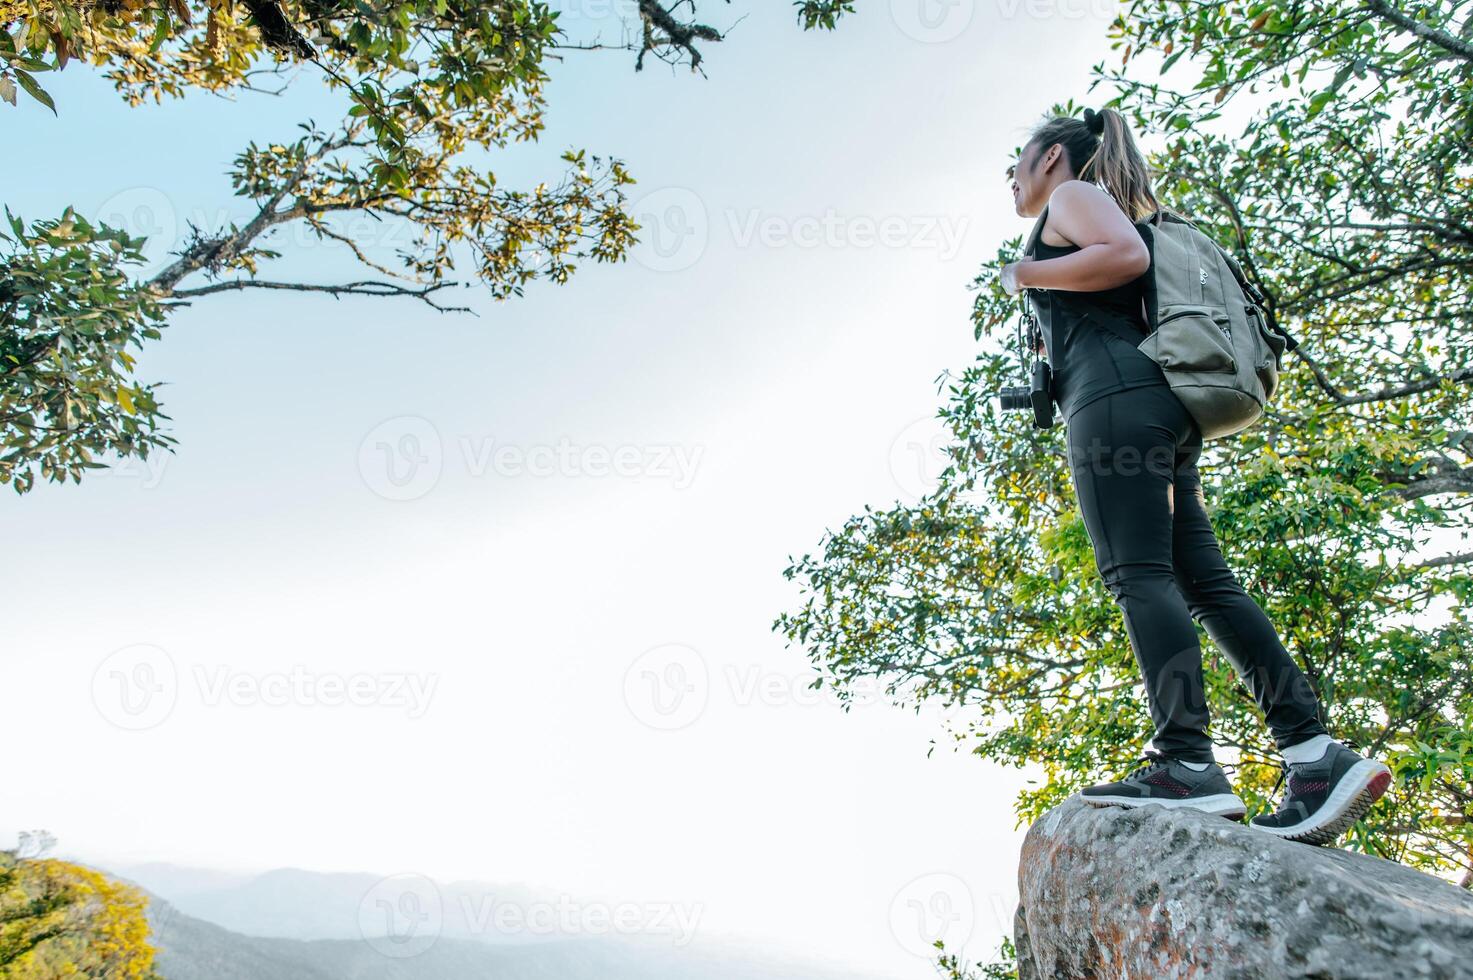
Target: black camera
x=1039, y=393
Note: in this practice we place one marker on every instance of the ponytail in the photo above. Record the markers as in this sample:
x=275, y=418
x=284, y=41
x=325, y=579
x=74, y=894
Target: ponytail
x=1101, y=150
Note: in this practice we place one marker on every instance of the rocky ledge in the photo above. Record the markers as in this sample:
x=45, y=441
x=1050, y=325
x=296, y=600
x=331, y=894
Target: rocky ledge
x=1153, y=894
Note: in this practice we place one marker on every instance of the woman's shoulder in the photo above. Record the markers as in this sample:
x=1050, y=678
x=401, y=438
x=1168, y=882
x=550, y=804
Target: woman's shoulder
x=1074, y=194
x=1071, y=200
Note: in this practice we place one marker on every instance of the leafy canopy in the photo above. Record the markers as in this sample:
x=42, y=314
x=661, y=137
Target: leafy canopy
x=432, y=89
x=1332, y=149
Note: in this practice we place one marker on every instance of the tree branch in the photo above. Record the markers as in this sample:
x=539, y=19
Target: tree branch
x=1444, y=560
x=1448, y=42
x=364, y=288
x=1457, y=481
x=682, y=37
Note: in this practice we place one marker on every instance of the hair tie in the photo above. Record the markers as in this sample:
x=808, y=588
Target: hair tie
x=1094, y=121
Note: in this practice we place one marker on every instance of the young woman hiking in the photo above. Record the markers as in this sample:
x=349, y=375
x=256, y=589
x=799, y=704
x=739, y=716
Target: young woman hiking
x=1133, y=451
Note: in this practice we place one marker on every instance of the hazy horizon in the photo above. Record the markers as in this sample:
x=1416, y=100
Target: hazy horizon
x=489, y=598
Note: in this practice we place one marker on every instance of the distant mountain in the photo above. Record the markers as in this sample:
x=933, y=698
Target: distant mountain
x=290, y=903
x=174, y=879
x=190, y=949
x=291, y=924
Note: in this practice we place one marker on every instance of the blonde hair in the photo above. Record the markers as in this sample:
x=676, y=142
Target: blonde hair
x=1101, y=150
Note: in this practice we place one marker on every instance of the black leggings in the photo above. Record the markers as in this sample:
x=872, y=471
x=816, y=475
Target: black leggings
x=1133, y=455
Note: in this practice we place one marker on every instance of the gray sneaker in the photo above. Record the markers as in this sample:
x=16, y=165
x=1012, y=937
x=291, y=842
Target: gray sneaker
x=1166, y=781
x=1324, y=798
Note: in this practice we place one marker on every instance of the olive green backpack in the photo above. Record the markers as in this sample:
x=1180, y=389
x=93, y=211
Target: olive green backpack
x=1208, y=329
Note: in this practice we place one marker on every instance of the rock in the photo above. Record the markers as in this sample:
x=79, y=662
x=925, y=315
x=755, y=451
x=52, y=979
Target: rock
x=1153, y=893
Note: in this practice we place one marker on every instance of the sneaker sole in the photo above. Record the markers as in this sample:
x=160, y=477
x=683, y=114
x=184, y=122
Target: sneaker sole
x=1362, y=786
x=1221, y=805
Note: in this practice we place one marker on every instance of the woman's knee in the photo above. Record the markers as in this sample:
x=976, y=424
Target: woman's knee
x=1145, y=580
x=1209, y=589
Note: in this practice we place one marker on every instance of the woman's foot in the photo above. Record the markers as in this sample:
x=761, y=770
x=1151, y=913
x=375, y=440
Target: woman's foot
x=1171, y=783
x=1323, y=798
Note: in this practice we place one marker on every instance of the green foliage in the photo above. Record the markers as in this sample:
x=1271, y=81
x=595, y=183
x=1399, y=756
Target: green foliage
x=68, y=317
x=431, y=90
x=1004, y=965
x=1345, y=194
x=403, y=61
x=822, y=14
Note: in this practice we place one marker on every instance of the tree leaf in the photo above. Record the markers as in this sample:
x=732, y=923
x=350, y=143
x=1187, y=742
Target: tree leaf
x=36, y=92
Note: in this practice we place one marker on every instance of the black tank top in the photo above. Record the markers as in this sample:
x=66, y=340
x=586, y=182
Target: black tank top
x=1091, y=337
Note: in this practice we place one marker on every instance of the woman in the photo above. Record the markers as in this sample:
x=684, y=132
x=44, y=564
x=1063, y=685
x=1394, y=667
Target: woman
x=1133, y=450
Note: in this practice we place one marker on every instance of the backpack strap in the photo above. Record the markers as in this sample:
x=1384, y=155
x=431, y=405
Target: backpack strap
x=1149, y=291
x=1036, y=233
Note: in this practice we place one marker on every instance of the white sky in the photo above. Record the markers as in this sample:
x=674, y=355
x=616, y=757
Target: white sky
x=796, y=379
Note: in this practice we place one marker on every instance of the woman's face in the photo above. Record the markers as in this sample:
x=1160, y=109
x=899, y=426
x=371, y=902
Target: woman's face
x=1030, y=179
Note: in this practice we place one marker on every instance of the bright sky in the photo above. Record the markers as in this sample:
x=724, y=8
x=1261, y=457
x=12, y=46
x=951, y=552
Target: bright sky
x=544, y=545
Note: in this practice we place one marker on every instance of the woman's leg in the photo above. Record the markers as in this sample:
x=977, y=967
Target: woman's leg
x=1124, y=450
x=1235, y=622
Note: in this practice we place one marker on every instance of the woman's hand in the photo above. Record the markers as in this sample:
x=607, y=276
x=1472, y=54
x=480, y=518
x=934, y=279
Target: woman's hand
x=1111, y=250
x=1012, y=284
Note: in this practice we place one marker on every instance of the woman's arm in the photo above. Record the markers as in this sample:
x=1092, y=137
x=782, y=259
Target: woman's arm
x=1111, y=251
